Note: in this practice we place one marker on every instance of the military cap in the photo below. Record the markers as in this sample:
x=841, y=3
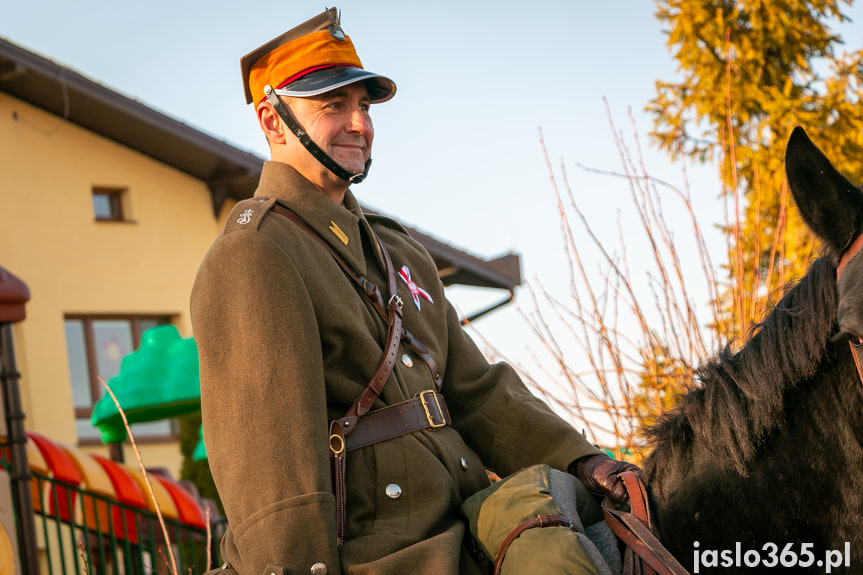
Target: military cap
x=310, y=59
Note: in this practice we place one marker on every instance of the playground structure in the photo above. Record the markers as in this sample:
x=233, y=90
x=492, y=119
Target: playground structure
x=64, y=510
x=93, y=515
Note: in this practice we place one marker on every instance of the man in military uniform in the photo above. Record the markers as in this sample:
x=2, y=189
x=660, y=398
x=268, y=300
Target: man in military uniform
x=346, y=423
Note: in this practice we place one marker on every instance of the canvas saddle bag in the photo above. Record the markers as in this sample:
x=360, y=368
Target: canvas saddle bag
x=542, y=518
x=535, y=519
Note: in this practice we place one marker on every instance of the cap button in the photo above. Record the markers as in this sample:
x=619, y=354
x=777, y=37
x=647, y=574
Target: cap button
x=318, y=569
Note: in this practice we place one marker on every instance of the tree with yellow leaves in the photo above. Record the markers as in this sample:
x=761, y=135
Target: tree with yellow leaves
x=751, y=71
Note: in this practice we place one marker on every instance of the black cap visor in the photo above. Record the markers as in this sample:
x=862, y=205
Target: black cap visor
x=319, y=82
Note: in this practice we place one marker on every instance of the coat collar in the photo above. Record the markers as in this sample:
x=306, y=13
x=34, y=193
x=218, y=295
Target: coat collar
x=339, y=225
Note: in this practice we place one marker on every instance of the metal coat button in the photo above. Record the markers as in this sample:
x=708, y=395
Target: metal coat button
x=464, y=464
x=319, y=569
x=393, y=491
x=406, y=359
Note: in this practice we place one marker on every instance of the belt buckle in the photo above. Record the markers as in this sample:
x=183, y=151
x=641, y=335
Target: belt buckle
x=422, y=395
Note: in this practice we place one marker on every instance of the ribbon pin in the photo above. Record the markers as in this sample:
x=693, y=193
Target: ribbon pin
x=416, y=291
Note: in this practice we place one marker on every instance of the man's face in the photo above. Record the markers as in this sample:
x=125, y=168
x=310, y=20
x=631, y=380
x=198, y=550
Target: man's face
x=339, y=123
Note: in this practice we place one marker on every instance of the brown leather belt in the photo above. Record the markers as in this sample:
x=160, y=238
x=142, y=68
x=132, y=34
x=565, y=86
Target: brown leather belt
x=427, y=410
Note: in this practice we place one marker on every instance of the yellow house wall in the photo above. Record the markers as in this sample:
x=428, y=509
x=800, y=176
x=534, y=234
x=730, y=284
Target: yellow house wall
x=73, y=264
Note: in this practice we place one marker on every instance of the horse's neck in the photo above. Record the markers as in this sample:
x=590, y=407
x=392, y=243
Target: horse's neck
x=741, y=397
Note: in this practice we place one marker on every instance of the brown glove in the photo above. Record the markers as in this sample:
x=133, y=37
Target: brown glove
x=599, y=475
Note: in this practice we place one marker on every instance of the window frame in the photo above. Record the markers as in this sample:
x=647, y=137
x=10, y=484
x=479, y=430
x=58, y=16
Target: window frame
x=94, y=387
x=115, y=200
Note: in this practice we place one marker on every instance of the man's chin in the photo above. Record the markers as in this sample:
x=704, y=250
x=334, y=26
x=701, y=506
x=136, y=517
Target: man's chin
x=353, y=166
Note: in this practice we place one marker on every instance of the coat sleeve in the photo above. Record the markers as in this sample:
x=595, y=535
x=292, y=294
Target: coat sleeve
x=507, y=425
x=263, y=405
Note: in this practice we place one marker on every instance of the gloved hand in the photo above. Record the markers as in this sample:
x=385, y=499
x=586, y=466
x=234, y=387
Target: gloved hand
x=599, y=475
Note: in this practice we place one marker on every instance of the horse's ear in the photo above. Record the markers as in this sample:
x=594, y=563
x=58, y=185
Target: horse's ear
x=830, y=205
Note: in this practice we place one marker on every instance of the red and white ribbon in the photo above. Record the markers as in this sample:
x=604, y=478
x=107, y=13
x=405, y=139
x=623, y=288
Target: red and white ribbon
x=416, y=291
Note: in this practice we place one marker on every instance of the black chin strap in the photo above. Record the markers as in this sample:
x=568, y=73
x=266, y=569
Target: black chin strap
x=306, y=141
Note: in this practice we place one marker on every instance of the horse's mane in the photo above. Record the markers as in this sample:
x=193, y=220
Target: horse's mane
x=737, y=397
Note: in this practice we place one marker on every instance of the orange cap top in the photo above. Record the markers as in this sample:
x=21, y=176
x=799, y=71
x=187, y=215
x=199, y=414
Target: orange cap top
x=316, y=44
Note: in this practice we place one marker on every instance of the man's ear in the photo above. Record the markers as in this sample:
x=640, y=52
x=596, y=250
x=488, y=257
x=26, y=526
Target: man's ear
x=271, y=124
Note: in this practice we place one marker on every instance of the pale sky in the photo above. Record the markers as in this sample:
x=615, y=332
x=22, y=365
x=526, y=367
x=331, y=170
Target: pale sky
x=457, y=151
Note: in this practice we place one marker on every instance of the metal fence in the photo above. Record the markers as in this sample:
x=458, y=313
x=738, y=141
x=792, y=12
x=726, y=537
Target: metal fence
x=85, y=533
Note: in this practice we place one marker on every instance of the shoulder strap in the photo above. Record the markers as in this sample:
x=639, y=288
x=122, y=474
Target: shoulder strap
x=248, y=214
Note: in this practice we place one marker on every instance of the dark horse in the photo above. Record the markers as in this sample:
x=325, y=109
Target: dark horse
x=759, y=467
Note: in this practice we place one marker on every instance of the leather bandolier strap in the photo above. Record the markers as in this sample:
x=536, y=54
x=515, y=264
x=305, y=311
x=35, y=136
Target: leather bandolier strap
x=371, y=291
x=361, y=427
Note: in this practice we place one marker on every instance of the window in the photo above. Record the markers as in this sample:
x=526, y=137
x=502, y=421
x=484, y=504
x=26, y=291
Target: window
x=96, y=346
x=107, y=204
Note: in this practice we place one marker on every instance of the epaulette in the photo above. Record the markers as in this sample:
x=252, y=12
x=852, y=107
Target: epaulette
x=385, y=221
x=248, y=214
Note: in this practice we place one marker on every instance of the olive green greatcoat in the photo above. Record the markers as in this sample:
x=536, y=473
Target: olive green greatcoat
x=287, y=343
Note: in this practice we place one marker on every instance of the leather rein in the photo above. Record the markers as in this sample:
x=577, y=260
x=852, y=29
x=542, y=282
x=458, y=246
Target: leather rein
x=855, y=343
x=644, y=553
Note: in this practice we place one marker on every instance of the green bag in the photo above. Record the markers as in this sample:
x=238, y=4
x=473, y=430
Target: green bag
x=497, y=511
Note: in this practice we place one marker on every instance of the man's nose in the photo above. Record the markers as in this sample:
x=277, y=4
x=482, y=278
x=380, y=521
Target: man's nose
x=359, y=121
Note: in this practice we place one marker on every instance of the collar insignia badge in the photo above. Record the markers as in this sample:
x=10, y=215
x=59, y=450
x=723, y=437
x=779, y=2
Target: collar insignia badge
x=416, y=291
x=337, y=231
